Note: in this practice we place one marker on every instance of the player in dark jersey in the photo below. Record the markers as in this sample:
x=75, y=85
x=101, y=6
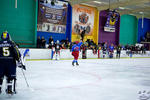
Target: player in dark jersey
x=9, y=54
x=57, y=49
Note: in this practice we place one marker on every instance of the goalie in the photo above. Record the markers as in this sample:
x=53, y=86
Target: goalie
x=9, y=54
x=56, y=50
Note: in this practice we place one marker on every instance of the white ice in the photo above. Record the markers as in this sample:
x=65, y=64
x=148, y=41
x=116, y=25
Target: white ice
x=93, y=79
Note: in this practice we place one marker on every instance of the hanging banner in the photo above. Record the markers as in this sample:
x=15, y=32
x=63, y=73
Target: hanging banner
x=52, y=17
x=112, y=19
x=83, y=19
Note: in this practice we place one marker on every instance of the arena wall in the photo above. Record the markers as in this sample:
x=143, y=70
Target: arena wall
x=66, y=54
x=19, y=21
x=143, y=28
x=128, y=30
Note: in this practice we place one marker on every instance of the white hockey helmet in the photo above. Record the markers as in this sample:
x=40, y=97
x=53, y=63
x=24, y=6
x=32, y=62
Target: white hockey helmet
x=57, y=41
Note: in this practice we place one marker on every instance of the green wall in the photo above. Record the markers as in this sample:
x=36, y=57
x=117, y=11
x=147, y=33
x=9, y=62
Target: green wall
x=20, y=22
x=128, y=29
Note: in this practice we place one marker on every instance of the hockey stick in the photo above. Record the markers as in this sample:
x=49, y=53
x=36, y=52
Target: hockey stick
x=23, y=67
x=25, y=78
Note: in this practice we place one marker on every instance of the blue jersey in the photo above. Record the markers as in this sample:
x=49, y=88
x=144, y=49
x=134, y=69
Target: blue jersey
x=76, y=47
x=25, y=52
x=111, y=48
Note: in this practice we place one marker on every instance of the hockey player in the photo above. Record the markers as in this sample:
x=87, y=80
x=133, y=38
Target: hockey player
x=84, y=50
x=9, y=54
x=104, y=51
x=57, y=50
x=104, y=48
x=52, y=49
x=75, y=52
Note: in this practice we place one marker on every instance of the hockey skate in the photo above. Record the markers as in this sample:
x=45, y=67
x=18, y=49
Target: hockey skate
x=9, y=90
x=72, y=63
x=77, y=63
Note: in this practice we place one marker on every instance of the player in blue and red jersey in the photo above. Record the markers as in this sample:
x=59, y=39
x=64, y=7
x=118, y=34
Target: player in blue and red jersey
x=75, y=52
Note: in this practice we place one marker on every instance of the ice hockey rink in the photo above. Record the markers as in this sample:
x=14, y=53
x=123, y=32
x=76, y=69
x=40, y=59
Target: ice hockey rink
x=93, y=79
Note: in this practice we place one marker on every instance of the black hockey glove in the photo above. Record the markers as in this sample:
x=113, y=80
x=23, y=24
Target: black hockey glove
x=20, y=65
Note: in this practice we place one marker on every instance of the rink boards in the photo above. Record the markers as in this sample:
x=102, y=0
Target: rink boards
x=66, y=54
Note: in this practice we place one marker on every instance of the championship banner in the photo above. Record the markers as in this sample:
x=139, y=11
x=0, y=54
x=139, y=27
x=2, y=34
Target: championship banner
x=83, y=19
x=112, y=19
x=52, y=18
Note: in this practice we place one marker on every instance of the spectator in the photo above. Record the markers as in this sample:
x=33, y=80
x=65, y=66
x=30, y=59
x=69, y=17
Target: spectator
x=92, y=42
x=70, y=46
x=63, y=46
x=143, y=49
x=118, y=51
x=67, y=43
x=43, y=42
x=51, y=45
x=104, y=48
x=38, y=42
x=50, y=40
x=147, y=37
x=82, y=34
x=100, y=52
x=88, y=41
x=131, y=51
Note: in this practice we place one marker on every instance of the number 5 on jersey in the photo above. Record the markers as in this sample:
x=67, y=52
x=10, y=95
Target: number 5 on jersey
x=6, y=51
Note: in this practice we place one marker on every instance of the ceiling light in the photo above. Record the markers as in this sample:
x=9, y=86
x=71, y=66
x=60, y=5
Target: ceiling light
x=132, y=14
x=98, y=2
x=121, y=8
x=141, y=12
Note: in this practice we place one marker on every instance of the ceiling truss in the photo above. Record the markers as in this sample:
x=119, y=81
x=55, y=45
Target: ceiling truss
x=134, y=7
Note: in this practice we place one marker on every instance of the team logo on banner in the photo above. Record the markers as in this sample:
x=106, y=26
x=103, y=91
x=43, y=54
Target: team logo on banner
x=52, y=17
x=83, y=19
x=112, y=19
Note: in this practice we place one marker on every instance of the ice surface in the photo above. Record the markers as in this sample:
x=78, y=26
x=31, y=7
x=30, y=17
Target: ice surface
x=94, y=79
